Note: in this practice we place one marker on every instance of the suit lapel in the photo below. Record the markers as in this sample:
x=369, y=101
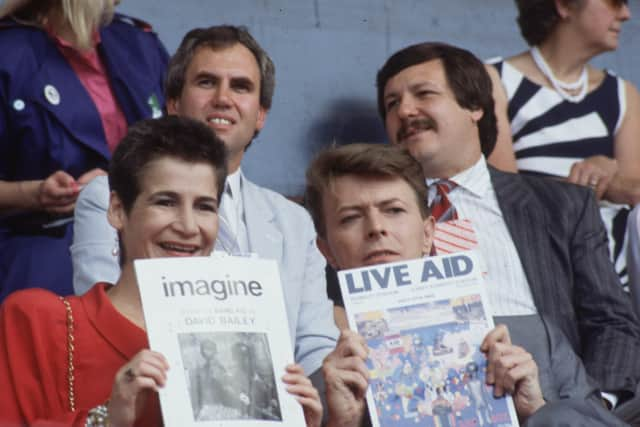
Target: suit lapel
x=264, y=237
x=525, y=222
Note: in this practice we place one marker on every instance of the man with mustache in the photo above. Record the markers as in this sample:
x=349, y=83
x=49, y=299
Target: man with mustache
x=367, y=205
x=543, y=241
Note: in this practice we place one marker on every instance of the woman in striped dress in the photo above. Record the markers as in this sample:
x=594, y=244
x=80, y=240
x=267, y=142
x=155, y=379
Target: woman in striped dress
x=560, y=117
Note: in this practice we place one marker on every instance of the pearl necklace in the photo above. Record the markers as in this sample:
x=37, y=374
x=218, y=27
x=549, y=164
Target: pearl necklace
x=561, y=87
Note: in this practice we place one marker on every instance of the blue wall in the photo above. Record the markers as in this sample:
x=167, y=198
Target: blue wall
x=328, y=51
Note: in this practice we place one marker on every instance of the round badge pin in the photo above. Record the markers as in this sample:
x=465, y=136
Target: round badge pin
x=52, y=94
x=18, y=105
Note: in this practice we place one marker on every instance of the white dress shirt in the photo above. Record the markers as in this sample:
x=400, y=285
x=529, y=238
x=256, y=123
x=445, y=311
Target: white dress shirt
x=475, y=199
x=232, y=208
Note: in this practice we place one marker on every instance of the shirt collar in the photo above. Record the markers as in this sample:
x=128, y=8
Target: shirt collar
x=475, y=179
x=95, y=36
x=233, y=182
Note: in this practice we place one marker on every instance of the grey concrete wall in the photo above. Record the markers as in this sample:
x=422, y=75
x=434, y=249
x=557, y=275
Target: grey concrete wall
x=328, y=51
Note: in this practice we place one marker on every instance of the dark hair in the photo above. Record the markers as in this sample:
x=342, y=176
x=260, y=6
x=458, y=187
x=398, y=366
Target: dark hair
x=169, y=136
x=538, y=18
x=217, y=38
x=466, y=76
x=375, y=160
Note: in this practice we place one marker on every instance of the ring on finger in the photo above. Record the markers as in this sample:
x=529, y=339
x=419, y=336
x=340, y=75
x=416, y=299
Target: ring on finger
x=129, y=375
x=593, y=182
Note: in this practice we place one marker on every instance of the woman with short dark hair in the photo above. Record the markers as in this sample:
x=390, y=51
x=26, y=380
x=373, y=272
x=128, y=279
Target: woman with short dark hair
x=84, y=360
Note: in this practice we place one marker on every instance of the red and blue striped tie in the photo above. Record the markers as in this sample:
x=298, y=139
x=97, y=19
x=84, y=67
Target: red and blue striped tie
x=441, y=207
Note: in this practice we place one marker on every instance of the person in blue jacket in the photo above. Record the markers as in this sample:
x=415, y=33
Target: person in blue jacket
x=73, y=76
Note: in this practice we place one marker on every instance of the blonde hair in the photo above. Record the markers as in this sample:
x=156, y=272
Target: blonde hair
x=82, y=16
x=86, y=16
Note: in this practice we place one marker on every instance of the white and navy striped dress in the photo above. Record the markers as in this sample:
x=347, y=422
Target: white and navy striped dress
x=550, y=134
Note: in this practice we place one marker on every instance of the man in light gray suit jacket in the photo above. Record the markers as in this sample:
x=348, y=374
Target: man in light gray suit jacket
x=220, y=75
x=544, y=243
x=367, y=203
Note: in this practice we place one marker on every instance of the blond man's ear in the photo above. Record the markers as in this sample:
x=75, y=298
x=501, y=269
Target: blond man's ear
x=429, y=230
x=324, y=248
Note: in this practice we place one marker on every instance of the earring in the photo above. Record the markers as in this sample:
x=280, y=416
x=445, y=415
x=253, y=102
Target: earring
x=116, y=248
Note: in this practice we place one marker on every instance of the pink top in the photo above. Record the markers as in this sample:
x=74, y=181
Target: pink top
x=93, y=75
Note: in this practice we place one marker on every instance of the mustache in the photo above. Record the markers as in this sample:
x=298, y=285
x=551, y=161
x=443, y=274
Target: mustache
x=410, y=126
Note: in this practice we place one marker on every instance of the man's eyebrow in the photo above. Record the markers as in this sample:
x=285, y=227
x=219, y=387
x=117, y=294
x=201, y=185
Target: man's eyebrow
x=388, y=201
x=205, y=74
x=207, y=199
x=383, y=202
x=422, y=84
x=162, y=193
x=349, y=207
x=242, y=80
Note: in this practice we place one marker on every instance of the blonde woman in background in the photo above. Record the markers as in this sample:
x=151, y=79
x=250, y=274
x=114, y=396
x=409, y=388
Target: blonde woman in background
x=73, y=76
